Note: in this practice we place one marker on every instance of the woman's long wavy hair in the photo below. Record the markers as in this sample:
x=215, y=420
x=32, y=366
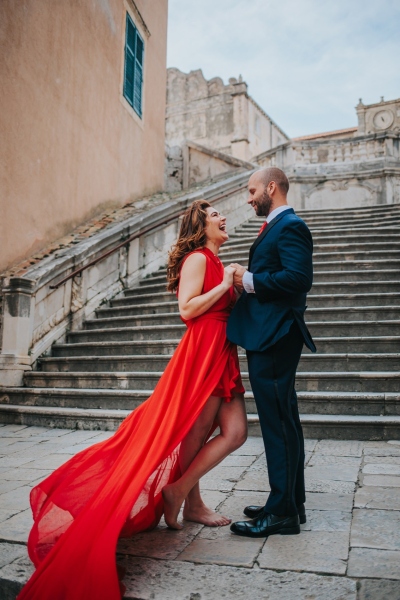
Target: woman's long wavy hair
x=191, y=236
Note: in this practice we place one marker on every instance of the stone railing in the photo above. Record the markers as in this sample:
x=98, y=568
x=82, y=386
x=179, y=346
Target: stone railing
x=303, y=153
x=35, y=315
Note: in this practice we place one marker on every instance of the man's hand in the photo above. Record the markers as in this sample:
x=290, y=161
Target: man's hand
x=238, y=276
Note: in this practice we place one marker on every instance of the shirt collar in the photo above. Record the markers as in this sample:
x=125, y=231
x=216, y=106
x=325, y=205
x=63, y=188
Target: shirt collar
x=276, y=212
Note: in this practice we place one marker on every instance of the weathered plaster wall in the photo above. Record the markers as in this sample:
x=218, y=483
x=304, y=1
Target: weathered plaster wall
x=71, y=144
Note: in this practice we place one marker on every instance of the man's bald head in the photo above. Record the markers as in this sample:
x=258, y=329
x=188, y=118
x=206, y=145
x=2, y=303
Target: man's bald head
x=269, y=174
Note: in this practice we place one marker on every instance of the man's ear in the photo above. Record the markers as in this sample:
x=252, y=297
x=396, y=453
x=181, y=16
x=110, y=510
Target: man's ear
x=273, y=187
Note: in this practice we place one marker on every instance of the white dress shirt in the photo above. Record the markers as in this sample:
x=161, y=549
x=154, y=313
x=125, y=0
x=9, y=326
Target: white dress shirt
x=247, y=276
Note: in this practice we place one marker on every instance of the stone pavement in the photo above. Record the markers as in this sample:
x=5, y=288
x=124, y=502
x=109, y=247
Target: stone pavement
x=348, y=550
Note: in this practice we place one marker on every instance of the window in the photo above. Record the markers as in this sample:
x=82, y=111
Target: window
x=133, y=72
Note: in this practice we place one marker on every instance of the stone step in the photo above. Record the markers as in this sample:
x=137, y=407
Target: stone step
x=132, y=298
x=334, y=403
x=350, y=381
x=343, y=274
x=159, y=332
x=331, y=235
x=345, y=427
x=313, y=301
x=332, y=313
x=357, y=210
x=381, y=344
x=355, y=246
x=337, y=224
x=331, y=256
x=140, y=362
x=354, y=287
x=320, y=267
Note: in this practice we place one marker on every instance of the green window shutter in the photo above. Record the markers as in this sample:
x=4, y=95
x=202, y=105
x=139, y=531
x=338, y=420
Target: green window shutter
x=133, y=71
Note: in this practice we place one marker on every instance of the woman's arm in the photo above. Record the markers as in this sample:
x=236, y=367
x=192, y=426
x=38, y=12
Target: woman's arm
x=192, y=303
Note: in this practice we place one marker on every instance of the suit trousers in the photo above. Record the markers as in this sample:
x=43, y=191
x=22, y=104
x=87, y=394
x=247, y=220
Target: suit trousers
x=272, y=376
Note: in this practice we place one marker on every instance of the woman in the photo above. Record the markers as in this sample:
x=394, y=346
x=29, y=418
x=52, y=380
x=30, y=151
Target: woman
x=155, y=459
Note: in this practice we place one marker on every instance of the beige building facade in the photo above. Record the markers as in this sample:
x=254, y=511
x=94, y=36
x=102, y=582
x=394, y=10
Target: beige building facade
x=82, y=114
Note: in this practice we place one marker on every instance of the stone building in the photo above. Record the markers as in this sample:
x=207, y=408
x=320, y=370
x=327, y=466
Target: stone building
x=82, y=114
x=358, y=166
x=212, y=128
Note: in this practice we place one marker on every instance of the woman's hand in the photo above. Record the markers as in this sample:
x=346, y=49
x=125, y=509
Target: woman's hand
x=227, y=281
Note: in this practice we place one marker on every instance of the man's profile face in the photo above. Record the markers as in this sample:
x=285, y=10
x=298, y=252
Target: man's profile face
x=259, y=197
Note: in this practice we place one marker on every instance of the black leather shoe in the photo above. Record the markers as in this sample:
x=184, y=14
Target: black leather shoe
x=266, y=525
x=256, y=511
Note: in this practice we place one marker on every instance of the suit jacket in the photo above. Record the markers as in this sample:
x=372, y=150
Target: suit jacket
x=281, y=262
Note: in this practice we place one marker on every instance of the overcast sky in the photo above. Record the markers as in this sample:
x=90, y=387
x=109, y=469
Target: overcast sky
x=306, y=62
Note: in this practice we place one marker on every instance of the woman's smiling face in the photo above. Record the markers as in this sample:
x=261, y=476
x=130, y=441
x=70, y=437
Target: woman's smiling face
x=215, y=229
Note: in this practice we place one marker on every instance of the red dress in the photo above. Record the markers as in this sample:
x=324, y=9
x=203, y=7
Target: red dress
x=113, y=488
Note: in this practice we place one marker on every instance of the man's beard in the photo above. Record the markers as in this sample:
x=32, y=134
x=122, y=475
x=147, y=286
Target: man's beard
x=264, y=205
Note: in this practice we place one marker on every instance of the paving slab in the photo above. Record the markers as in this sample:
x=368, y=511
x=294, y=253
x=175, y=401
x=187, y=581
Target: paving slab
x=310, y=444
x=326, y=459
x=172, y=580
x=17, y=527
x=327, y=501
x=24, y=474
x=377, y=497
x=381, y=480
x=329, y=486
x=10, y=552
x=162, y=543
x=14, y=576
x=386, y=460
x=238, y=461
x=313, y=551
x=378, y=589
x=209, y=482
x=6, y=514
x=339, y=447
x=324, y=520
x=373, y=528
x=388, y=450
x=8, y=486
x=16, y=499
x=232, y=473
x=255, y=481
x=15, y=447
x=253, y=446
x=381, y=469
x=238, y=552
x=333, y=472
x=370, y=562
x=50, y=462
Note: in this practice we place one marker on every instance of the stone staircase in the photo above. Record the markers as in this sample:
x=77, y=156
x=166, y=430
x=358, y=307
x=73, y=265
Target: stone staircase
x=349, y=389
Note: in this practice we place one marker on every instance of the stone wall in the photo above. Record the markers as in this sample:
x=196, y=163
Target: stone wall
x=217, y=116
x=348, y=172
x=37, y=314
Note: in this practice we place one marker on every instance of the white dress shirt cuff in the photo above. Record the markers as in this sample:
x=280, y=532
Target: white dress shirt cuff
x=248, y=282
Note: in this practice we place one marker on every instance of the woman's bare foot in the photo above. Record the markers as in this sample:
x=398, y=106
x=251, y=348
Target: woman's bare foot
x=205, y=516
x=172, y=506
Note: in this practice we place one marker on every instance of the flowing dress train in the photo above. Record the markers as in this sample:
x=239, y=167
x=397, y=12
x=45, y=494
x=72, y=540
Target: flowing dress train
x=113, y=488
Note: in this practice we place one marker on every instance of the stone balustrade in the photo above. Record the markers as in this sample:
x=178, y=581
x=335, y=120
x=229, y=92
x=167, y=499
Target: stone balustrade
x=35, y=315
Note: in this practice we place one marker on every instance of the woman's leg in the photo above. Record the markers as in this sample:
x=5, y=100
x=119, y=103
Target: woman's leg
x=233, y=432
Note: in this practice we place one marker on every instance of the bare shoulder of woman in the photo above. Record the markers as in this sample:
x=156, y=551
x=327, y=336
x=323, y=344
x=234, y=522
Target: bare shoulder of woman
x=194, y=267
x=192, y=276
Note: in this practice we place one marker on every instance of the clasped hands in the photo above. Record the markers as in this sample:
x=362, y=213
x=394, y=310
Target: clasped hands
x=238, y=276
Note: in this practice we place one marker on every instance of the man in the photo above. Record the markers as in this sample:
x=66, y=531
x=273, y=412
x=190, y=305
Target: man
x=268, y=321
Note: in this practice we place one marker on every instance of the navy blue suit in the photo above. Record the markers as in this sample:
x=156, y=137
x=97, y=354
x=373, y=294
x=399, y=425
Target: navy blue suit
x=270, y=325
